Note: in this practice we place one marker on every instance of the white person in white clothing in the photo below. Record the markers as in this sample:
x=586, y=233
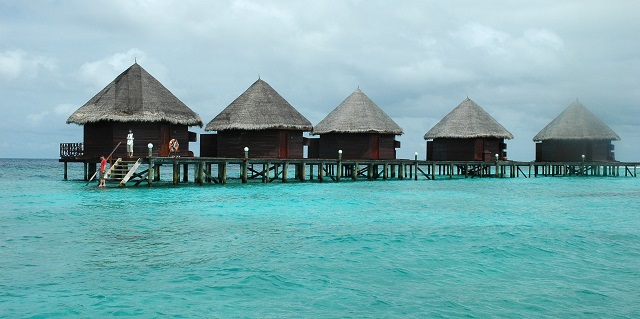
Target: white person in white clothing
x=130, y=143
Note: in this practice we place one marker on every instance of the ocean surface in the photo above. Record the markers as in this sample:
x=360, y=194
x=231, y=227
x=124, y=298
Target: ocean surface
x=546, y=247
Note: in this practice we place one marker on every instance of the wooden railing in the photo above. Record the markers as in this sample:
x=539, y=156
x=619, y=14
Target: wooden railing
x=71, y=149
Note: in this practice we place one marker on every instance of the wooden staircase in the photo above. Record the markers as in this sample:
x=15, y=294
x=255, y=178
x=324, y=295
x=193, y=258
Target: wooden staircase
x=121, y=171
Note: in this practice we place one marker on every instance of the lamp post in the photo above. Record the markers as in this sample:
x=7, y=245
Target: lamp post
x=582, y=166
x=245, y=165
x=151, y=168
x=339, y=172
x=415, y=166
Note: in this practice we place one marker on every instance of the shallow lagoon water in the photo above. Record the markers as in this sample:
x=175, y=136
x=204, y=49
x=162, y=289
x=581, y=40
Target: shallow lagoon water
x=539, y=247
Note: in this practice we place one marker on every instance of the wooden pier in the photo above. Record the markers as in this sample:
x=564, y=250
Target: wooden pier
x=234, y=170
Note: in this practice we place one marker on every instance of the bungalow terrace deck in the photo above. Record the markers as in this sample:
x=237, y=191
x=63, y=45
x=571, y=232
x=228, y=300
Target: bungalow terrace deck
x=224, y=170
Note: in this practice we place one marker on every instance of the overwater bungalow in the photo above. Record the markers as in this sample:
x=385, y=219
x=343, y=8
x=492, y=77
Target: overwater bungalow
x=260, y=119
x=574, y=133
x=467, y=133
x=359, y=128
x=134, y=101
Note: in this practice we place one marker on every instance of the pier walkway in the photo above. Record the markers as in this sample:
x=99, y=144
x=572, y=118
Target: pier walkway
x=224, y=170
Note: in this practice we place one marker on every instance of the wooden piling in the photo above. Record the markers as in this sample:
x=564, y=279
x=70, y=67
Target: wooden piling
x=222, y=172
x=201, y=174
x=176, y=172
x=285, y=168
x=244, y=167
x=156, y=172
x=150, y=173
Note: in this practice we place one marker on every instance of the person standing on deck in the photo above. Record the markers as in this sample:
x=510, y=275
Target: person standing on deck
x=103, y=171
x=130, y=143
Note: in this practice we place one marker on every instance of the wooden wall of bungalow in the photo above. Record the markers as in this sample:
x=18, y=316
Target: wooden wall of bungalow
x=101, y=137
x=466, y=149
x=354, y=146
x=572, y=151
x=261, y=144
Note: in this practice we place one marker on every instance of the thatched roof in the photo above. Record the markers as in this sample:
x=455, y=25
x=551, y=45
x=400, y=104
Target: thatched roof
x=468, y=120
x=576, y=122
x=135, y=96
x=260, y=107
x=357, y=114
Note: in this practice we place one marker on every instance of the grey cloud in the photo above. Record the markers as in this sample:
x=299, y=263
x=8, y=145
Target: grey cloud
x=522, y=62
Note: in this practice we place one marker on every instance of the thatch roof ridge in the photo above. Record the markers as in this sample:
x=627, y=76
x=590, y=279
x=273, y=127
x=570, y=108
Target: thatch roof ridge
x=260, y=107
x=135, y=96
x=468, y=120
x=357, y=114
x=576, y=122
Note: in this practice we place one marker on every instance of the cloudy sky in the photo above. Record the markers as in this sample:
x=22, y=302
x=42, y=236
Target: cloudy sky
x=524, y=62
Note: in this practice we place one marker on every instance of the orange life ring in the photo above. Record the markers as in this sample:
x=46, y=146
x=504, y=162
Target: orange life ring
x=173, y=145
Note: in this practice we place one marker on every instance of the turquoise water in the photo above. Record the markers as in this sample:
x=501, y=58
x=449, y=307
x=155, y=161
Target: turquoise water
x=556, y=247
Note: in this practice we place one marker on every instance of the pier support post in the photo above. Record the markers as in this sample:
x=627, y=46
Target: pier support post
x=285, y=168
x=385, y=173
x=222, y=172
x=201, y=174
x=433, y=170
x=244, y=167
x=150, y=173
x=401, y=171
x=65, y=171
x=339, y=166
x=321, y=172
x=156, y=172
x=176, y=172
x=415, y=164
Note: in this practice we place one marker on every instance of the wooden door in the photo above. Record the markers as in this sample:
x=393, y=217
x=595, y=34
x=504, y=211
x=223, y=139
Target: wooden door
x=165, y=134
x=375, y=150
x=284, y=145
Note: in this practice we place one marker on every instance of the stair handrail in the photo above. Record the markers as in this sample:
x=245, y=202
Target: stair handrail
x=94, y=174
x=126, y=178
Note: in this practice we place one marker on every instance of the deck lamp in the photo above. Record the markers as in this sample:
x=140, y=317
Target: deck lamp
x=583, y=158
x=497, y=157
x=416, y=155
x=150, y=146
x=246, y=152
x=339, y=155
